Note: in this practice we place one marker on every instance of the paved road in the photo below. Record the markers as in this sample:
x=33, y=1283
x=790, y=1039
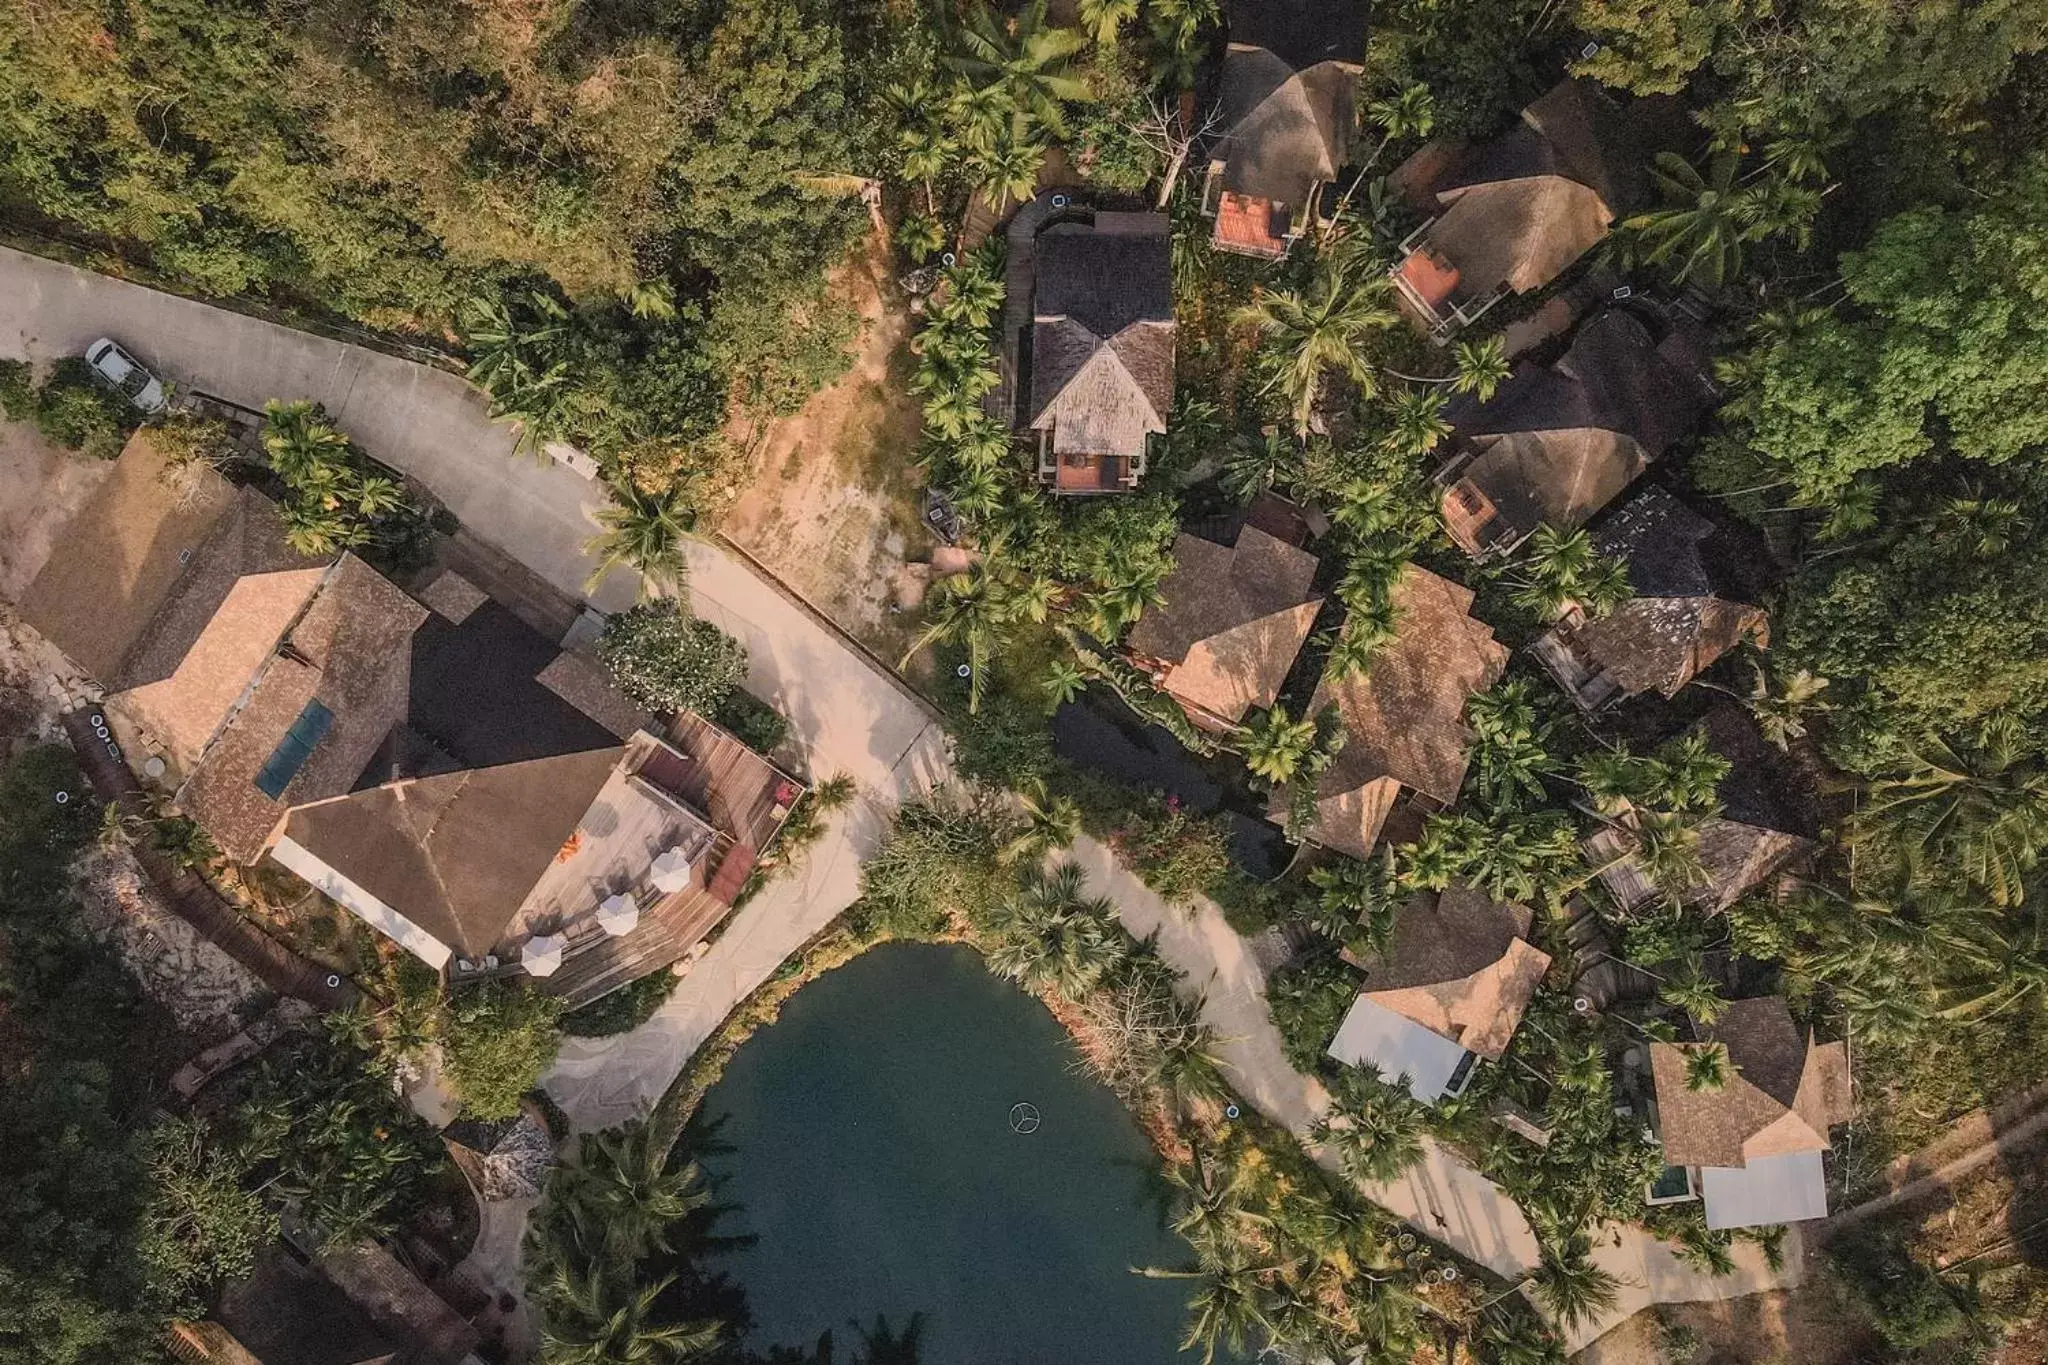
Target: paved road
x=418, y=419
x=1441, y=1196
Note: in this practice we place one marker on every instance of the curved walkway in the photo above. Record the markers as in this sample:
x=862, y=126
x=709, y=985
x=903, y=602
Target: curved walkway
x=1442, y=1196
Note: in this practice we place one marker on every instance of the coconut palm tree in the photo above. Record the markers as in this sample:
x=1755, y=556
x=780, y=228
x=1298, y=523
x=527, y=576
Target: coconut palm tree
x=1008, y=167
x=1050, y=822
x=1482, y=367
x=1102, y=18
x=1324, y=329
x=1418, y=422
x=1375, y=1128
x=974, y=610
x=1780, y=705
x=592, y=1319
x=1255, y=466
x=624, y=1195
x=1706, y=218
x=1568, y=1282
x=1690, y=989
x=647, y=532
x=1561, y=568
x=1026, y=60
x=1981, y=809
x=1234, y=1300
x=1275, y=744
x=1707, y=1066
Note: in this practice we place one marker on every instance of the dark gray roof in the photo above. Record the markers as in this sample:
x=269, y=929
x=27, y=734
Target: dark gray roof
x=286, y=1313
x=1301, y=32
x=1103, y=334
x=1658, y=538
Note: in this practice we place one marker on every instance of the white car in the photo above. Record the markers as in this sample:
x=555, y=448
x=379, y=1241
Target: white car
x=124, y=373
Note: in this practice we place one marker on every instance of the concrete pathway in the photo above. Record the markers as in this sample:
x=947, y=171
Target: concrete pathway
x=1440, y=1196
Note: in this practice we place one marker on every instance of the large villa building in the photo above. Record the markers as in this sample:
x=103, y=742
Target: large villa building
x=433, y=764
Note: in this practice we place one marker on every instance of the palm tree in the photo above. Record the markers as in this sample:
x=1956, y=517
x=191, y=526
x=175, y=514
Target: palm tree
x=1692, y=990
x=1177, y=39
x=1325, y=329
x=1352, y=647
x=974, y=610
x=317, y=532
x=510, y=348
x=1482, y=367
x=306, y=450
x=1780, y=705
x=1254, y=467
x=1050, y=936
x=647, y=532
x=1568, y=1282
x=1375, y=1128
x=1008, y=167
x=1562, y=568
x=1704, y=222
x=1667, y=847
x=1981, y=808
x=1029, y=62
x=1233, y=1302
x=624, y=1194
x=1050, y=822
x=1275, y=744
x=1419, y=423
x=1102, y=18
x=1064, y=682
x=592, y=1320
x=1707, y=1066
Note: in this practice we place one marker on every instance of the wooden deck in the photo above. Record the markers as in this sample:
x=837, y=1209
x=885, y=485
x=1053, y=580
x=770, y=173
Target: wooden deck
x=746, y=799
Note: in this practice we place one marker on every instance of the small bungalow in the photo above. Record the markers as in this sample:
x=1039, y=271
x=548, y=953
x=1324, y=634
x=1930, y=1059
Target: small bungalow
x=1557, y=443
x=1406, y=743
x=503, y=1158
x=1675, y=627
x=1290, y=77
x=1759, y=840
x=1513, y=214
x=1232, y=619
x=1101, y=350
x=1450, y=988
x=353, y=1304
x=1752, y=1143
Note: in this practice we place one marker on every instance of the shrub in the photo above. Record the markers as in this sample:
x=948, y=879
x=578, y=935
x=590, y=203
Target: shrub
x=622, y=1011
x=1308, y=1002
x=498, y=1039
x=76, y=411
x=1178, y=855
x=17, y=390
x=1908, y=1304
x=666, y=659
x=752, y=721
x=936, y=861
x=1007, y=745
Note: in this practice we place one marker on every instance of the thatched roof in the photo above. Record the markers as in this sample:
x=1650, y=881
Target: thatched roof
x=1518, y=210
x=1658, y=538
x=1662, y=643
x=1404, y=715
x=1103, y=335
x=1557, y=444
x=1286, y=129
x=1784, y=1092
x=1459, y=964
x=1231, y=621
x=1735, y=858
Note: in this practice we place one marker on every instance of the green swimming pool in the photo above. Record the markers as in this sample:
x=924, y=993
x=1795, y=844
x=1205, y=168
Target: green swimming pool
x=876, y=1160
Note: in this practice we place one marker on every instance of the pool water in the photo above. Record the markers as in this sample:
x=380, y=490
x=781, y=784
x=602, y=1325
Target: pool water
x=875, y=1160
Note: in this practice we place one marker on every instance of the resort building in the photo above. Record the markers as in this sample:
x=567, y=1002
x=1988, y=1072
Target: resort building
x=1101, y=345
x=1229, y=624
x=1760, y=840
x=1677, y=625
x=1290, y=77
x=1557, y=443
x=1407, y=743
x=433, y=764
x=1511, y=215
x=1449, y=989
x=1750, y=1140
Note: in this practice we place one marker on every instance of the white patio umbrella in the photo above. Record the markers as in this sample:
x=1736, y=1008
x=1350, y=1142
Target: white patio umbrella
x=542, y=954
x=618, y=914
x=671, y=871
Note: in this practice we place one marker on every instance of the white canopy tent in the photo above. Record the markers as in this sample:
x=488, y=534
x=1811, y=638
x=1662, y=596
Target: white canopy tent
x=542, y=954
x=1769, y=1189
x=1373, y=1035
x=619, y=914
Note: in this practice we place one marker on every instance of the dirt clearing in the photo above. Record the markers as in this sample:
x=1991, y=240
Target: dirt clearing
x=832, y=510
x=41, y=486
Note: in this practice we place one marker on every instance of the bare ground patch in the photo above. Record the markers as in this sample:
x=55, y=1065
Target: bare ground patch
x=42, y=486
x=832, y=509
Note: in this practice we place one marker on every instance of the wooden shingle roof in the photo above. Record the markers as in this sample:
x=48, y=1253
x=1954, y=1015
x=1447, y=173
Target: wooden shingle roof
x=1783, y=1094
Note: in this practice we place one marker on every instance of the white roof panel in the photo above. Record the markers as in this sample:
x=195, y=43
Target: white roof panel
x=1770, y=1189
x=1374, y=1035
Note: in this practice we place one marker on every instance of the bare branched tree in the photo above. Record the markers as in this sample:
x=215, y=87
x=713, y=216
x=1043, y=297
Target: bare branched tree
x=1166, y=133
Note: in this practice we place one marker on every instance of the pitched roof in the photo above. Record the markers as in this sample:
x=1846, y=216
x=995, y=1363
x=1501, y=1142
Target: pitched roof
x=1657, y=538
x=1735, y=858
x=1458, y=964
x=1404, y=715
x=458, y=853
x=503, y=1158
x=1285, y=128
x=401, y=1306
x=285, y=1313
x=1558, y=443
x=1520, y=209
x=349, y=653
x=1301, y=33
x=1231, y=621
x=1662, y=643
x=1103, y=334
x=1784, y=1093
